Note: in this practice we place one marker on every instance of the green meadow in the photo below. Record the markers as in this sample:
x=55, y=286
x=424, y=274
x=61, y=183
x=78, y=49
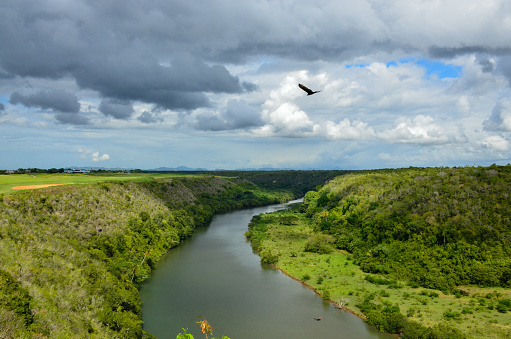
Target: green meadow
x=282, y=238
x=7, y=182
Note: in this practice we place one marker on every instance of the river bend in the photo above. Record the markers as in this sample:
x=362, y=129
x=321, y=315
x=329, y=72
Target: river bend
x=215, y=274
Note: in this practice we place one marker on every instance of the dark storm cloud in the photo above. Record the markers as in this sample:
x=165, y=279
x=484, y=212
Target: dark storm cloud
x=57, y=100
x=5, y=75
x=119, y=109
x=487, y=64
x=111, y=48
x=504, y=67
x=451, y=52
x=235, y=115
x=72, y=119
x=164, y=52
x=182, y=85
x=149, y=118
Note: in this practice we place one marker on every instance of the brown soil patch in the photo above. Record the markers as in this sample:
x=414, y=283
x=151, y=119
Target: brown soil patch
x=30, y=187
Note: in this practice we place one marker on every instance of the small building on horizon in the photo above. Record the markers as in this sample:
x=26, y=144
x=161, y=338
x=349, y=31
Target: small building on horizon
x=75, y=170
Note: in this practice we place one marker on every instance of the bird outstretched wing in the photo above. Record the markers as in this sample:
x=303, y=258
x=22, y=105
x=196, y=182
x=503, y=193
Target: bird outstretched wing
x=308, y=90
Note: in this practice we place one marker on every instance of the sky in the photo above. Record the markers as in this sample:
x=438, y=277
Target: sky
x=214, y=84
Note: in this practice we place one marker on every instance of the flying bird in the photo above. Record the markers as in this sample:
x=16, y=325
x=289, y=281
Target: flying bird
x=308, y=90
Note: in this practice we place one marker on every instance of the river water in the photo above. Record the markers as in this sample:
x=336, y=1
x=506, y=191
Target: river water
x=215, y=274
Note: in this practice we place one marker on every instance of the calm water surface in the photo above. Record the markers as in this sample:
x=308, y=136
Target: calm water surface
x=215, y=274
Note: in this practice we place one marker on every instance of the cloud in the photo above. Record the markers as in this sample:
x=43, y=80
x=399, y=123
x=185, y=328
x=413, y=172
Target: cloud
x=463, y=104
x=451, y=52
x=500, y=119
x=154, y=66
x=488, y=64
x=5, y=75
x=72, y=119
x=347, y=130
x=2, y=108
x=504, y=67
x=236, y=114
x=496, y=142
x=149, y=118
x=173, y=55
x=287, y=120
x=281, y=114
x=56, y=100
x=118, y=109
x=398, y=77
x=96, y=157
x=419, y=130
x=388, y=157
x=181, y=85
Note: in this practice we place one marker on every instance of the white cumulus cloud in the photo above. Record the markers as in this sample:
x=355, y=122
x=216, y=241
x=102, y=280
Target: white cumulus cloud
x=419, y=130
x=496, y=142
x=346, y=130
x=96, y=157
x=500, y=119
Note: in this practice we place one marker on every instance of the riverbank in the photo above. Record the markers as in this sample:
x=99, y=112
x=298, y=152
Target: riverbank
x=216, y=274
x=282, y=238
x=73, y=256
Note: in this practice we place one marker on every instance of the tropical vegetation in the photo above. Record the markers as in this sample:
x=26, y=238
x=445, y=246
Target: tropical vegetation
x=72, y=257
x=421, y=251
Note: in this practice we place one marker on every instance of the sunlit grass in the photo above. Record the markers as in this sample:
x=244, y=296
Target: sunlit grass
x=343, y=282
x=7, y=182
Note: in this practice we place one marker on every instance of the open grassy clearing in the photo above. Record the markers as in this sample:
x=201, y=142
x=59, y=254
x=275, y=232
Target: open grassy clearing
x=337, y=278
x=8, y=182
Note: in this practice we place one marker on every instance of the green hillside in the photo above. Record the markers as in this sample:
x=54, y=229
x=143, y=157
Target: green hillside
x=424, y=252
x=73, y=256
x=436, y=227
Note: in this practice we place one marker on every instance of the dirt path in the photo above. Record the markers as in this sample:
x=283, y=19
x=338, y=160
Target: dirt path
x=30, y=187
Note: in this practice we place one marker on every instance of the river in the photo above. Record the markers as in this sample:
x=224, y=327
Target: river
x=215, y=274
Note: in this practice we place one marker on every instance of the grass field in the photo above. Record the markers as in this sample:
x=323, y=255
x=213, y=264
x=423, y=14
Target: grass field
x=335, y=274
x=33, y=181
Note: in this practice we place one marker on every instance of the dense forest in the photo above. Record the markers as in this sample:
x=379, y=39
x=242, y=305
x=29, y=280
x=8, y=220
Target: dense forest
x=72, y=257
x=420, y=252
x=300, y=182
x=436, y=227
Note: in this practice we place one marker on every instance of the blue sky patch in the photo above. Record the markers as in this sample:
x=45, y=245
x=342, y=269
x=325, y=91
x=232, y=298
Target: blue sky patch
x=439, y=68
x=356, y=65
x=442, y=70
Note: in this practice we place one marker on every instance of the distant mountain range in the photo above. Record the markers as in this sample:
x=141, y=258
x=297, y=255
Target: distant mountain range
x=176, y=169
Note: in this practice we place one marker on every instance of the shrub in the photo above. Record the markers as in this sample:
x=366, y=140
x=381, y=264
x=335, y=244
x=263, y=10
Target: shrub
x=269, y=257
x=15, y=297
x=504, y=305
x=414, y=330
x=466, y=310
x=319, y=243
x=389, y=319
x=450, y=315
